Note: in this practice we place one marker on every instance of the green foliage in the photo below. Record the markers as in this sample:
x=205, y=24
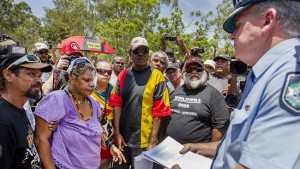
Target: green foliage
x=117, y=22
x=18, y=21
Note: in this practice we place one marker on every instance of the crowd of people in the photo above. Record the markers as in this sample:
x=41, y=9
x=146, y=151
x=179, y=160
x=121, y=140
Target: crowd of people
x=79, y=112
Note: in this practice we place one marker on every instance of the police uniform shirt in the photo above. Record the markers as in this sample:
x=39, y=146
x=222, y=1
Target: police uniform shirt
x=264, y=133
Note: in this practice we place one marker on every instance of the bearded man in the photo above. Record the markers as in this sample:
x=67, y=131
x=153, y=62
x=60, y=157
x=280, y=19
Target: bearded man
x=199, y=112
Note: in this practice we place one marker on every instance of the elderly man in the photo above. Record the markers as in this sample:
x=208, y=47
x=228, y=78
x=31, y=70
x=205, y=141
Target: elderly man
x=20, y=76
x=199, y=111
x=159, y=60
x=174, y=76
x=118, y=64
x=139, y=99
x=262, y=133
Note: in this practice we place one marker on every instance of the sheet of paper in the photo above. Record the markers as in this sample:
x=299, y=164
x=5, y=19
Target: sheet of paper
x=167, y=154
x=142, y=163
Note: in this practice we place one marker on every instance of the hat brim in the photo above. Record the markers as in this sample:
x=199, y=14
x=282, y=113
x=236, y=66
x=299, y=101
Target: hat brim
x=220, y=57
x=139, y=45
x=42, y=66
x=171, y=68
x=229, y=24
x=72, y=52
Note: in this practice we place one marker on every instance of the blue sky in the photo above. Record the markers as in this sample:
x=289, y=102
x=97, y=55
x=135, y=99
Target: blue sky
x=187, y=6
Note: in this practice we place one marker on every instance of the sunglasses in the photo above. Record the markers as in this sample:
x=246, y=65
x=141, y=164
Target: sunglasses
x=78, y=61
x=191, y=69
x=24, y=59
x=103, y=71
x=43, y=52
x=140, y=51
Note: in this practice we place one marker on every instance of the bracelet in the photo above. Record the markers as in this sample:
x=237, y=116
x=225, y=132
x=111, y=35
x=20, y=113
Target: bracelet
x=108, y=143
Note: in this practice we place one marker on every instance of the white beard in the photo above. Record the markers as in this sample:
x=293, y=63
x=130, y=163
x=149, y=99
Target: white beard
x=195, y=83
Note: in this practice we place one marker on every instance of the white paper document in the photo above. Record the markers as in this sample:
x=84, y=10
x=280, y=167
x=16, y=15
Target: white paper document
x=167, y=154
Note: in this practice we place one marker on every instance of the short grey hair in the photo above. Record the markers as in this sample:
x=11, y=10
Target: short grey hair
x=160, y=54
x=288, y=14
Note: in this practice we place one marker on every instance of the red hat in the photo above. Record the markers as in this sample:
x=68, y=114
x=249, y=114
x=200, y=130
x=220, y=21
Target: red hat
x=70, y=48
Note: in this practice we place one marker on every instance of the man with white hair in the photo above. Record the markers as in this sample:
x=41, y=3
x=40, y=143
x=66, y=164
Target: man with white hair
x=199, y=111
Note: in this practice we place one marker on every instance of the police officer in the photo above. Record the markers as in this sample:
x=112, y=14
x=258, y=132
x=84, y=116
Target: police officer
x=262, y=131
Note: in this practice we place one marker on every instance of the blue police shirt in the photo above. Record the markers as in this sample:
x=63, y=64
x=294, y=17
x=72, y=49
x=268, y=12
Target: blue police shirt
x=264, y=133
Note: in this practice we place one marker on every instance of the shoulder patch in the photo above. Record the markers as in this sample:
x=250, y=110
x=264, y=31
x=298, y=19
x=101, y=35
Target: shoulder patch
x=290, y=96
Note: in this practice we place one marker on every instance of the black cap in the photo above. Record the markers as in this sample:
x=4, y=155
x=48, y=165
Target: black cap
x=170, y=53
x=225, y=57
x=172, y=66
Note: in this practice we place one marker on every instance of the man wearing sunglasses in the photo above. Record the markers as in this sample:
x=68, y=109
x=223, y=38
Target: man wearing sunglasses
x=20, y=76
x=139, y=99
x=199, y=111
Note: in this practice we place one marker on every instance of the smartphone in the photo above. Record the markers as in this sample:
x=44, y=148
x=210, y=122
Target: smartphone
x=171, y=38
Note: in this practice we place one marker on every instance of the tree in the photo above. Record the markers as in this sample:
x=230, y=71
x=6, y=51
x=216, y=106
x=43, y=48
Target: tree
x=220, y=42
x=18, y=21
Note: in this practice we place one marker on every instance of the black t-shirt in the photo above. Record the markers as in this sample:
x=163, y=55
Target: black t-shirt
x=195, y=113
x=17, y=149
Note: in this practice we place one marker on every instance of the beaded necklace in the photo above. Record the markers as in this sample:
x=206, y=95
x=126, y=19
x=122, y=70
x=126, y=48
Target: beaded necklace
x=77, y=103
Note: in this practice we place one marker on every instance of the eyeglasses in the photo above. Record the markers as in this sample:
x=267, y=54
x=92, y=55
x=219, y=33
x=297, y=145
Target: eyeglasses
x=240, y=3
x=191, y=69
x=24, y=59
x=42, y=52
x=103, y=71
x=76, y=62
x=140, y=51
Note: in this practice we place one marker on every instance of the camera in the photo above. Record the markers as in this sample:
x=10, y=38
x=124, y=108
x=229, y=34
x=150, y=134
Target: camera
x=232, y=100
x=238, y=67
x=171, y=38
x=71, y=58
x=196, y=51
x=10, y=46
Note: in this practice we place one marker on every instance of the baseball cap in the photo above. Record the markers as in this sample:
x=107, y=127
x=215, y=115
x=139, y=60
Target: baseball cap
x=210, y=63
x=39, y=46
x=137, y=42
x=172, y=66
x=194, y=60
x=239, y=5
x=226, y=57
x=28, y=61
x=70, y=48
x=170, y=53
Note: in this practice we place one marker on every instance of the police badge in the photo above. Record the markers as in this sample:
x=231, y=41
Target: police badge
x=290, y=96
